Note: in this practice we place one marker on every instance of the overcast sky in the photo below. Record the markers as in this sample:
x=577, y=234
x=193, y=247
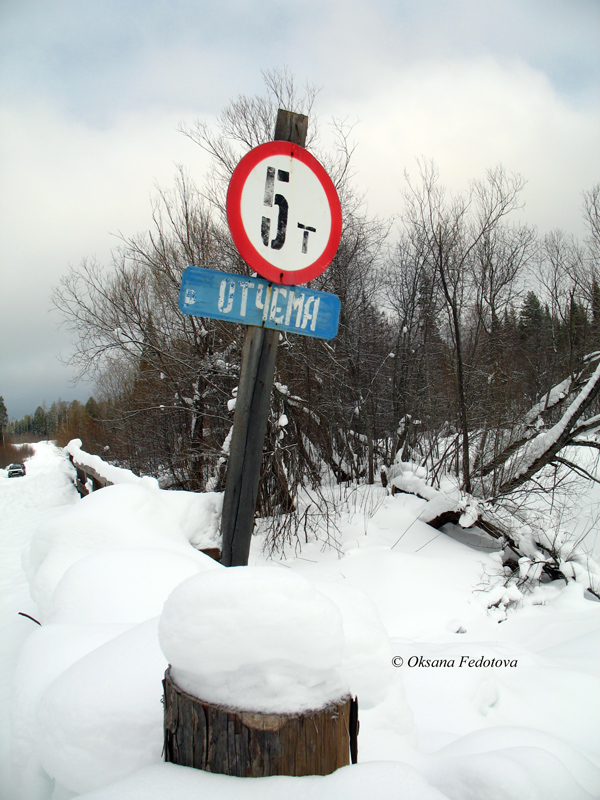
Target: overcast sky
x=92, y=92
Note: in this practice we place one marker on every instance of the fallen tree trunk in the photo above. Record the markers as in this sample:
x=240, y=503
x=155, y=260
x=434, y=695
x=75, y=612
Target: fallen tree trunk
x=492, y=510
x=528, y=454
x=441, y=510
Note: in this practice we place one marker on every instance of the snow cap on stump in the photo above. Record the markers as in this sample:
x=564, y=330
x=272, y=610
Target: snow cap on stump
x=255, y=639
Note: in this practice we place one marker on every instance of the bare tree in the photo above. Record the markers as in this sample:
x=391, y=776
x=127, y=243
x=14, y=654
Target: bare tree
x=176, y=371
x=245, y=123
x=591, y=215
x=169, y=377
x=451, y=235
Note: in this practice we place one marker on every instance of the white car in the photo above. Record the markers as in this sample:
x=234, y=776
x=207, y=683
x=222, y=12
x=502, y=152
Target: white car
x=16, y=470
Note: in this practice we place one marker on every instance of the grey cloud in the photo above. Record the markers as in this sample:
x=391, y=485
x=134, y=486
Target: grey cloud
x=93, y=93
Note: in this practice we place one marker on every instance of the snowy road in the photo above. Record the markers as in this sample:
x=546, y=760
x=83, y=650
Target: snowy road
x=24, y=503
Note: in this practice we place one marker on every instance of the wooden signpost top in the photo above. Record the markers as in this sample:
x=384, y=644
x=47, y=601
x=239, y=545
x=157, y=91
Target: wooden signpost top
x=291, y=127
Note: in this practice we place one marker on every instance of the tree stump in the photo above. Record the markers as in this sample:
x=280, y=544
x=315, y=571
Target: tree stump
x=253, y=745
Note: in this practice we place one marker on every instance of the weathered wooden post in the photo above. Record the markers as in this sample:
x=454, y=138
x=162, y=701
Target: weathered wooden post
x=245, y=455
x=285, y=219
x=252, y=409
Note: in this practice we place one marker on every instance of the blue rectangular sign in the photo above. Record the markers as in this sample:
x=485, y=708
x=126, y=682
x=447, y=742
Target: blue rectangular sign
x=254, y=301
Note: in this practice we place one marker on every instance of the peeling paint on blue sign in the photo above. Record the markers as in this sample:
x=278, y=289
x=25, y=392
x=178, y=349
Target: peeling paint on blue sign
x=254, y=301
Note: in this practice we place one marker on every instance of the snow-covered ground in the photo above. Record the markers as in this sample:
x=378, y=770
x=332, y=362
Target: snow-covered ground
x=457, y=700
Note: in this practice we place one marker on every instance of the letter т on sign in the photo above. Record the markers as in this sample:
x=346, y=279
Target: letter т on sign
x=284, y=213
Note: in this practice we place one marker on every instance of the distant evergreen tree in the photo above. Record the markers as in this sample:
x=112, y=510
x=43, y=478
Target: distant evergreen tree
x=52, y=419
x=532, y=316
x=3, y=418
x=92, y=408
x=536, y=346
x=40, y=422
x=579, y=329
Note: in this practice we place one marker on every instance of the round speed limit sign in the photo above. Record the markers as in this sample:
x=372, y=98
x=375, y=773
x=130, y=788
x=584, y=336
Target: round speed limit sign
x=284, y=213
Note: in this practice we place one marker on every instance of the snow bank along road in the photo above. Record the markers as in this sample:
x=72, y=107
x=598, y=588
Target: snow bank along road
x=24, y=504
x=457, y=700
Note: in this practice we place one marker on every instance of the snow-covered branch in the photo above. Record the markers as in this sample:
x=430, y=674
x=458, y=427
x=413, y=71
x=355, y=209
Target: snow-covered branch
x=542, y=449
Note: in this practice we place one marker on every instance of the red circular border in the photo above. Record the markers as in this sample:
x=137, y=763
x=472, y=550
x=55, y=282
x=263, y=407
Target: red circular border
x=234, y=214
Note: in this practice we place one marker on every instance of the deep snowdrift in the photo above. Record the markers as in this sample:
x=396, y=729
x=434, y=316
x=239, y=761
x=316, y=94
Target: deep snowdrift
x=453, y=703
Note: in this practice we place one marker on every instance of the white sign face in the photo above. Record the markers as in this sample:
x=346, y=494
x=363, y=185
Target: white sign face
x=284, y=213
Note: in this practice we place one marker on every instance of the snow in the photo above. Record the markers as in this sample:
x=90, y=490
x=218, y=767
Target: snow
x=120, y=586
x=543, y=441
x=549, y=400
x=119, y=518
x=366, y=652
x=109, y=472
x=115, y=688
x=490, y=702
x=380, y=780
x=256, y=639
x=411, y=478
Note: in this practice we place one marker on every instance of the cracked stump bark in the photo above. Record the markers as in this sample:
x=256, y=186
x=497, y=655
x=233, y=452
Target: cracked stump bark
x=253, y=745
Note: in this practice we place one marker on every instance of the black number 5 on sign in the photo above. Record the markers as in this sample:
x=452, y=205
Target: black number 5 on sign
x=284, y=213
x=280, y=201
